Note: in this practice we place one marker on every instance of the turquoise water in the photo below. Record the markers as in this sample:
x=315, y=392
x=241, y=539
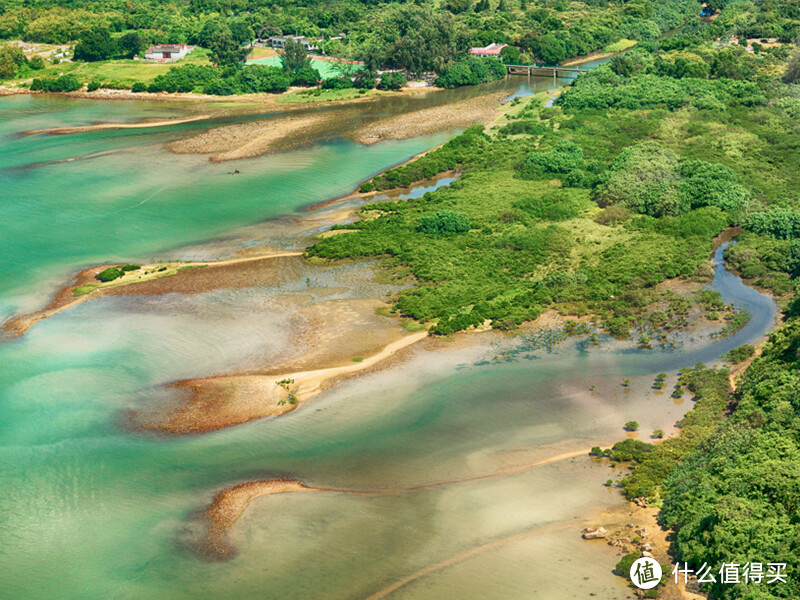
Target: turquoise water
x=138, y=199
x=90, y=508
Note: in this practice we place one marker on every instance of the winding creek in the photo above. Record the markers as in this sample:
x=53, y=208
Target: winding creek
x=91, y=508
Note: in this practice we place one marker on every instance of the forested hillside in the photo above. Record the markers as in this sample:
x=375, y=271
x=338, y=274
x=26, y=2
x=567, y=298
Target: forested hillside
x=736, y=497
x=419, y=36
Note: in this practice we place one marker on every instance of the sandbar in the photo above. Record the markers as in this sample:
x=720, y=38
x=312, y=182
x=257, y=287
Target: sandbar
x=98, y=126
x=228, y=400
x=251, y=139
x=230, y=504
x=184, y=277
x=479, y=109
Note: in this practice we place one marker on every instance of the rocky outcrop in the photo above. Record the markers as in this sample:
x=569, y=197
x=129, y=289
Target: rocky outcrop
x=594, y=534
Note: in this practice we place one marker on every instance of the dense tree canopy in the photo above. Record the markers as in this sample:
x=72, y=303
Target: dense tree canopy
x=95, y=45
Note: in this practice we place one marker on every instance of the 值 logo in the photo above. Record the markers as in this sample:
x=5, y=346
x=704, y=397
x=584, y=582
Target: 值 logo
x=645, y=573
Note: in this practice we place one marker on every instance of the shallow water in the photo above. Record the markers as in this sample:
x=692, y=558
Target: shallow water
x=91, y=509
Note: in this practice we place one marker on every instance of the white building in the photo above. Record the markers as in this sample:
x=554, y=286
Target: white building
x=279, y=41
x=166, y=53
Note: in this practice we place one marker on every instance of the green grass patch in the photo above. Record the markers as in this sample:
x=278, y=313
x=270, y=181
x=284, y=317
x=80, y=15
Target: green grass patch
x=121, y=73
x=82, y=290
x=320, y=95
x=620, y=45
x=326, y=68
x=411, y=325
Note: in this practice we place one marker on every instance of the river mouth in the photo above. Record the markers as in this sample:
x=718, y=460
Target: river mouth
x=98, y=509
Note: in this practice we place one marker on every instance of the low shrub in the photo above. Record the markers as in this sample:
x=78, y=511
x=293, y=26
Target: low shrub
x=110, y=274
x=444, y=222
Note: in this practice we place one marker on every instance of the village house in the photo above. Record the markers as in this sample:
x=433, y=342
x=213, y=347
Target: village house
x=490, y=50
x=279, y=41
x=166, y=53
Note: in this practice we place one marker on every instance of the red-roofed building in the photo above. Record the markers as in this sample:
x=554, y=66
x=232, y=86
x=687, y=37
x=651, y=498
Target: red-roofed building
x=490, y=50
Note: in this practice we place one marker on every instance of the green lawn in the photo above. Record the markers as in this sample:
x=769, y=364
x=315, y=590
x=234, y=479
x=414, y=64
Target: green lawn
x=620, y=45
x=326, y=68
x=121, y=72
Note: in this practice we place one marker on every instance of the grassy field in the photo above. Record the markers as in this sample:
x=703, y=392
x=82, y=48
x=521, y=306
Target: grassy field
x=259, y=52
x=620, y=45
x=326, y=68
x=122, y=73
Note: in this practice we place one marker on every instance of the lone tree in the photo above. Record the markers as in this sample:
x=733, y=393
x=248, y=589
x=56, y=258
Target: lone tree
x=94, y=45
x=132, y=43
x=225, y=50
x=294, y=57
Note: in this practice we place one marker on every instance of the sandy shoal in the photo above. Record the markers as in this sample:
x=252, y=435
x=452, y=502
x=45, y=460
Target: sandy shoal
x=431, y=120
x=229, y=505
x=232, y=273
x=98, y=126
x=248, y=140
x=212, y=403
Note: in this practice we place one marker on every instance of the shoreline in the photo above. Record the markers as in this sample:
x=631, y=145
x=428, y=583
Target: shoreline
x=260, y=98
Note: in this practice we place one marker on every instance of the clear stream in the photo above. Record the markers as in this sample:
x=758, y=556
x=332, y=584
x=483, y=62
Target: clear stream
x=90, y=509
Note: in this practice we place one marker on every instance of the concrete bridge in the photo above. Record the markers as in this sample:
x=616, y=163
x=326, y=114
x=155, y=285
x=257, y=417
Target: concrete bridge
x=541, y=70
